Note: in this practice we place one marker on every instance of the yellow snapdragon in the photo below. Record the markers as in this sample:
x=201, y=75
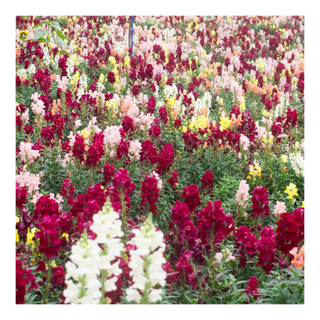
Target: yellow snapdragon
x=30, y=236
x=224, y=123
x=292, y=191
x=101, y=78
x=201, y=122
x=112, y=60
x=85, y=134
x=254, y=171
x=65, y=235
x=127, y=61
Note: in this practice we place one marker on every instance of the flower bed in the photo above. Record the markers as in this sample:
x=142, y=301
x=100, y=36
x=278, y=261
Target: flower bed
x=169, y=172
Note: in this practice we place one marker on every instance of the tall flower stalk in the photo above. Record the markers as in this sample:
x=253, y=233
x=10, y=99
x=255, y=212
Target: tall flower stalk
x=94, y=268
x=107, y=226
x=146, y=264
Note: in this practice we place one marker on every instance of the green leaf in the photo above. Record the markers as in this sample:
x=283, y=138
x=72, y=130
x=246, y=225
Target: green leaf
x=60, y=34
x=60, y=42
x=63, y=51
x=38, y=25
x=56, y=25
x=39, y=33
x=232, y=278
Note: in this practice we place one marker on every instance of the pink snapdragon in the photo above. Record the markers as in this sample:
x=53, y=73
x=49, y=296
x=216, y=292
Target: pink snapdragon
x=245, y=142
x=38, y=105
x=159, y=185
x=243, y=192
x=279, y=208
x=135, y=148
x=62, y=83
x=26, y=153
x=30, y=180
x=112, y=138
x=77, y=123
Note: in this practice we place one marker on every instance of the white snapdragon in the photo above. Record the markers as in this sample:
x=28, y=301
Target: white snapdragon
x=90, y=266
x=297, y=163
x=107, y=226
x=83, y=85
x=146, y=264
x=83, y=268
x=46, y=57
x=70, y=67
x=32, y=69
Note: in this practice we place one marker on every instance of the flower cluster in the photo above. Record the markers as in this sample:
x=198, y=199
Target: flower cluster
x=146, y=264
x=290, y=230
x=200, y=123
x=89, y=260
x=260, y=202
x=150, y=194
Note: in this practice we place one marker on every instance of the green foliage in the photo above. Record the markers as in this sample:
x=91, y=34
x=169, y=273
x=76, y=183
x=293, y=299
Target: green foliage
x=283, y=287
x=54, y=172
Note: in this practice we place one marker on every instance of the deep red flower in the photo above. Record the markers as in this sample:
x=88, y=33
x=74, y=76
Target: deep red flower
x=122, y=150
x=180, y=212
x=108, y=172
x=127, y=125
x=246, y=243
x=207, y=180
x=148, y=152
x=267, y=249
x=163, y=114
x=78, y=148
x=287, y=233
x=111, y=77
x=213, y=224
x=23, y=278
x=58, y=276
x=149, y=194
x=67, y=190
x=252, y=289
x=95, y=153
x=45, y=207
x=151, y=104
x=165, y=159
x=48, y=235
x=191, y=196
x=260, y=202
x=173, y=180
x=135, y=90
x=21, y=196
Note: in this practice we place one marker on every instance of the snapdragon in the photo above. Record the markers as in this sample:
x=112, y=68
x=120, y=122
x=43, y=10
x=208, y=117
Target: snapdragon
x=146, y=264
x=90, y=266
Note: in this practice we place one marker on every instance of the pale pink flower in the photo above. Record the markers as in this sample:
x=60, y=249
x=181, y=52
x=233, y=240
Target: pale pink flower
x=243, y=193
x=77, y=123
x=134, y=149
x=29, y=180
x=279, y=208
x=25, y=117
x=218, y=256
x=62, y=83
x=245, y=142
x=38, y=107
x=159, y=185
x=35, y=197
x=112, y=136
x=26, y=153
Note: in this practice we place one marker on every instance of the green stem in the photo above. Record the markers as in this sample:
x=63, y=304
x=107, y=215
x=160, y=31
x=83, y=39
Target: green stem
x=145, y=299
x=104, y=278
x=82, y=289
x=46, y=293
